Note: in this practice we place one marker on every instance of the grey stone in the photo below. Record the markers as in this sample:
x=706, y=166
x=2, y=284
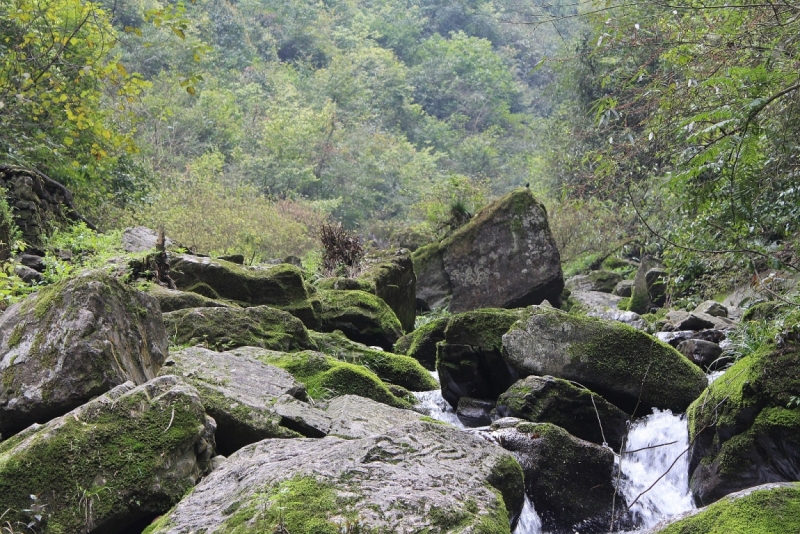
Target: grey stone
x=73, y=341
x=248, y=399
x=142, y=239
x=712, y=308
x=474, y=412
x=606, y=306
x=405, y=479
x=28, y=275
x=641, y=298
x=34, y=262
x=505, y=257
x=354, y=417
x=624, y=288
x=173, y=300
x=705, y=354
x=601, y=281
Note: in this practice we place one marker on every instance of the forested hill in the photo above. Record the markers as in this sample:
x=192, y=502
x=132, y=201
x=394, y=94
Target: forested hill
x=240, y=126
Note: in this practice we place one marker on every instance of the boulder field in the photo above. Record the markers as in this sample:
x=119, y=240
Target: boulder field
x=261, y=399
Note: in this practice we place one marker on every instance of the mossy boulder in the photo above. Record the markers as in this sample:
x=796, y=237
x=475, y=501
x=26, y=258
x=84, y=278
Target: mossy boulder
x=505, y=257
x=113, y=464
x=765, y=509
x=227, y=328
x=745, y=429
x=626, y=366
x=393, y=368
x=601, y=281
x=389, y=274
x=648, y=289
x=389, y=482
x=576, y=410
x=470, y=360
x=73, y=341
x=421, y=343
x=325, y=376
x=248, y=399
x=361, y=316
x=279, y=286
x=173, y=300
x=569, y=481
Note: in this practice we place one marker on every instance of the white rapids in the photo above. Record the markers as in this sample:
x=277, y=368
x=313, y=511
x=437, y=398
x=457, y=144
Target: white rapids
x=529, y=521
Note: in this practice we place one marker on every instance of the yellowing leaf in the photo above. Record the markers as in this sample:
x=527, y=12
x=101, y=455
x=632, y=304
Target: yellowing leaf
x=190, y=90
x=68, y=141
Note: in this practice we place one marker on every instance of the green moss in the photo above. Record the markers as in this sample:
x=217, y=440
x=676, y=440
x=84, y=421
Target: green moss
x=507, y=478
x=481, y=329
x=425, y=254
x=624, y=304
x=16, y=336
x=325, y=376
x=362, y=316
x=432, y=420
x=772, y=511
x=161, y=523
x=70, y=464
x=421, y=343
x=764, y=311
x=394, y=368
x=496, y=520
x=299, y=504
x=46, y=298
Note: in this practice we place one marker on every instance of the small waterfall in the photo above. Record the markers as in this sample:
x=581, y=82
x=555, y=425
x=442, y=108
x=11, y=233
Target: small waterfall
x=432, y=404
x=647, y=462
x=529, y=521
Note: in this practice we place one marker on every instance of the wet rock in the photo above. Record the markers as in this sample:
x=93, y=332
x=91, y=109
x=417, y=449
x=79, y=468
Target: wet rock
x=765, y=508
x=113, y=463
x=248, y=399
x=72, y=341
x=470, y=360
x=624, y=365
x=474, y=412
x=576, y=410
x=744, y=428
x=227, y=328
x=569, y=481
x=704, y=353
x=418, y=477
x=606, y=306
x=504, y=257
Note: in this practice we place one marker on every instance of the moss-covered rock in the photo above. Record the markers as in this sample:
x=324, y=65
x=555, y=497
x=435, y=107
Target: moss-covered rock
x=279, y=286
x=646, y=291
x=469, y=360
x=325, y=376
x=361, y=316
x=389, y=482
x=766, y=509
x=389, y=274
x=421, y=343
x=172, y=300
x=393, y=368
x=569, y=481
x=226, y=328
x=115, y=462
x=576, y=410
x=743, y=431
x=764, y=311
x=626, y=366
x=248, y=399
x=504, y=257
x=73, y=341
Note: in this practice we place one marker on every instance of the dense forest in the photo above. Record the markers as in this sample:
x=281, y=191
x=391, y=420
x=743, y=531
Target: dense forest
x=668, y=129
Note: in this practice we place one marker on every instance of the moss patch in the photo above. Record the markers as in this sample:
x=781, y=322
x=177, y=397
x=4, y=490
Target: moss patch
x=325, y=376
x=362, y=317
x=421, y=343
x=769, y=511
x=400, y=370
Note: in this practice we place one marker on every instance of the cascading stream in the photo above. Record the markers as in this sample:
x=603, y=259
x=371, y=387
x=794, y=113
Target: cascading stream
x=658, y=458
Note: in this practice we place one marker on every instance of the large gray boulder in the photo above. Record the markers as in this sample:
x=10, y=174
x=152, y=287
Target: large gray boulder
x=248, y=399
x=505, y=257
x=174, y=300
x=73, y=341
x=569, y=481
x=626, y=366
x=279, y=286
x=390, y=276
x=111, y=464
x=649, y=288
x=578, y=411
x=142, y=239
x=419, y=477
x=600, y=281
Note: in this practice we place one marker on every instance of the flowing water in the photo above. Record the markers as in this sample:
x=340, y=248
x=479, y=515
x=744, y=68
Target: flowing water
x=655, y=473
